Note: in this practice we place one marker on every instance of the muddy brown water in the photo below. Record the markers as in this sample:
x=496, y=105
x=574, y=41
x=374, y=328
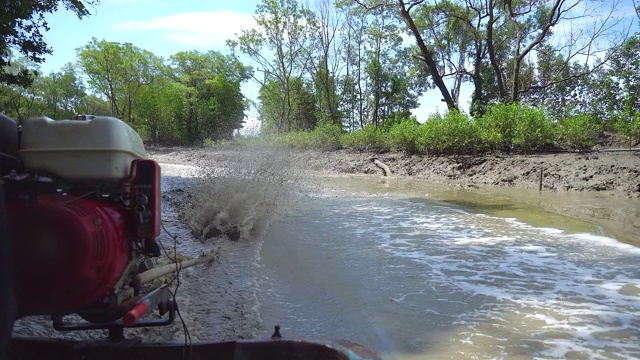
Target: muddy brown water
x=601, y=214
x=417, y=271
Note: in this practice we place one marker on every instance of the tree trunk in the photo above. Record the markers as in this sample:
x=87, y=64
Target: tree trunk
x=492, y=53
x=427, y=57
x=516, y=71
x=476, y=99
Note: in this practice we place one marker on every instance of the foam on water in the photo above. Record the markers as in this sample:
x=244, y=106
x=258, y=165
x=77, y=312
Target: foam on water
x=497, y=287
x=541, y=281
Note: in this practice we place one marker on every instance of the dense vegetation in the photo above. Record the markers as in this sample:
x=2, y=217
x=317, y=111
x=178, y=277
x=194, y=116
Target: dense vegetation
x=184, y=99
x=504, y=128
x=348, y=73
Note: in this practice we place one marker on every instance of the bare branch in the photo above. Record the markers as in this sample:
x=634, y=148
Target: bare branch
x=369, y=8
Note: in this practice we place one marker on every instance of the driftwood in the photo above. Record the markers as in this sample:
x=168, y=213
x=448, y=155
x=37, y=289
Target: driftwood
x=155, y=273
x=381, y=165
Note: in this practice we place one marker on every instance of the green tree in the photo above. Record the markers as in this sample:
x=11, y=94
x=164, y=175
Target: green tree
x=324, y=59
x=281, y=32
x=61, y=93
x=92, y=104
x=508, y=33
x=353, y=83
x=21, y=27
x=118, y=72
x=226, y=105
x=212, y=104
x=20, y=100
x=303, y=111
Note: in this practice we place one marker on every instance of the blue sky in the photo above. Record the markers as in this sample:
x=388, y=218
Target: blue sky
x=165, y=27
x=161, y=26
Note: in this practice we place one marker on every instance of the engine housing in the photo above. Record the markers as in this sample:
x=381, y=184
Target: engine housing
x=69, y=252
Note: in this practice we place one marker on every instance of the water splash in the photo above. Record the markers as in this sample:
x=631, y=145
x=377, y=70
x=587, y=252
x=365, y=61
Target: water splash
x=240, y=199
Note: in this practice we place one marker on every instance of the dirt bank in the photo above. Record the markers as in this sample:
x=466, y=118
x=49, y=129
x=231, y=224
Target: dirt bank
x=615, y=173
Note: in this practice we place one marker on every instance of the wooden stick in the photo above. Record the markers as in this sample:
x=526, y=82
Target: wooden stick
x=381, y=165
x=540, y=187
x=155, y=273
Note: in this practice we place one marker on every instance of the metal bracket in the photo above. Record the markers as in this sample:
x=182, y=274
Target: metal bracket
x=116, y=328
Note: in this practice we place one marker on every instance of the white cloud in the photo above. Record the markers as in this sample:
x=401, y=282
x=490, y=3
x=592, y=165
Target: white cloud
x=205, y=29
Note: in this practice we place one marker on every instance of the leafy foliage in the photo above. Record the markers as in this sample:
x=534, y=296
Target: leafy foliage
x=327, y=66
x=497, y=126
x=324, y=137
x=21, y=25
x=118, y=72
x=453, y=133
x=533, y=130
x=298, y=107
x=407, y=136
x=192, y=97
x=629, y=126
x=514, y=126
x=529, y=129
x=579, y=131
x=369, y=138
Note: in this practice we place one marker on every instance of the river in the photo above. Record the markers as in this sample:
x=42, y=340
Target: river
x=416, y=278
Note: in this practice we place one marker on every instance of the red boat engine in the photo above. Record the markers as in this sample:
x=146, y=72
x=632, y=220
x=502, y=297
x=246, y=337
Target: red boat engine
x=69, y=253
x=83, y=212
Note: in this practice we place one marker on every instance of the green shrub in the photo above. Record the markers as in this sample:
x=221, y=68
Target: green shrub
x=497, y=126
x=264, y=139
x=396, y=119
x=295, y=139
x=579, y=131
x=208, y=142
x=453, y=133
x=369, y=138
x=629, y=126
x=407, y=136
x=533, y=129
x=506, y=126
x=326, y=137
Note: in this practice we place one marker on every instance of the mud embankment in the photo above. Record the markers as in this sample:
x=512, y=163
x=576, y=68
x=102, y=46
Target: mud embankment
x=612, y=173
x=602, y=189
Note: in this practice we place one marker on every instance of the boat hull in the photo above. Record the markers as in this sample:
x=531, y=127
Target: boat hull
x=34, y=348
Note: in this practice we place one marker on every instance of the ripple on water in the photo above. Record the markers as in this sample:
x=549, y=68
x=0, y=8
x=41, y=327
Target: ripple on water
x=542, y=292
x=562, y=294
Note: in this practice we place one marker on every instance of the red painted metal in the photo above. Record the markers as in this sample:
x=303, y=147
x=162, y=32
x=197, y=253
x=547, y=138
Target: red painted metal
x=69, y=252
x=145, y=197
x=134, y=314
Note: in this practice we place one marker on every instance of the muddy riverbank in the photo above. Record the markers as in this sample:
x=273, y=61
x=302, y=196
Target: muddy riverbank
x=611, y=173
x=601, y=189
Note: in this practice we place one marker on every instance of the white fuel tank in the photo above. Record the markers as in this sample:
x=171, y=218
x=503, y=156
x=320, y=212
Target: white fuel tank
x=98, y=148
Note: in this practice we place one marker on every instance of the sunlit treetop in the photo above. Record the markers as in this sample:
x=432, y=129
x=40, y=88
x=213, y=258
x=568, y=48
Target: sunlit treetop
x=22, y=24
